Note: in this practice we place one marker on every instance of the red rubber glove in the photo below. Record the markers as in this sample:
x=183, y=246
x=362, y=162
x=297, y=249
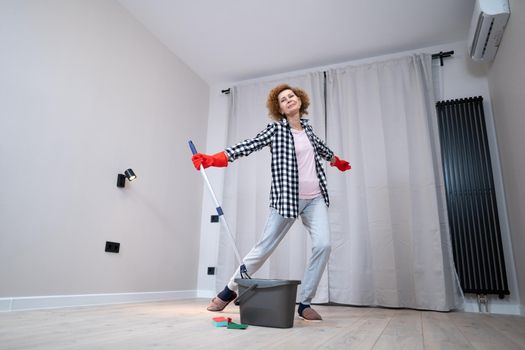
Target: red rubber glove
x=218, y=160
x=341, y=164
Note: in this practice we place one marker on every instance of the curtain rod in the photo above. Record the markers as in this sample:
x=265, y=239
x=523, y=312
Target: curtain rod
x=442, y=55
x=439, y=55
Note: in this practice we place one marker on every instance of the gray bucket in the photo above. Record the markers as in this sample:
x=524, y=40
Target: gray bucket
x=267, y=303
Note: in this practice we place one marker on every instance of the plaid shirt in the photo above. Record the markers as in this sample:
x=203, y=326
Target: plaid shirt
x=284, y=193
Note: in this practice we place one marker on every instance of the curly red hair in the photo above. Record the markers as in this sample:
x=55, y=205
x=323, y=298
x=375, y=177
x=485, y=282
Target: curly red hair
x=272, y=103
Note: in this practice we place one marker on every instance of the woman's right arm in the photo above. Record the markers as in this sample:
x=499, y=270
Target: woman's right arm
x=248, y=146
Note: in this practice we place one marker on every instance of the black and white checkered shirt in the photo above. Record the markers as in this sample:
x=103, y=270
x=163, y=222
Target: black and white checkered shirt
x=284, y=193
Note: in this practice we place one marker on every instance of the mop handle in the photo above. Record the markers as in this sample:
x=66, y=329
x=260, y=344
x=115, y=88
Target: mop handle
x=218, y=208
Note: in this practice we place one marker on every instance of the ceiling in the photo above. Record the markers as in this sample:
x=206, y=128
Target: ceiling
x=234, y=40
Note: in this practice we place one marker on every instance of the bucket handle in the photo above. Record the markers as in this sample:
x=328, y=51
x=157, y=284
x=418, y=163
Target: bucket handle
x=238, y=300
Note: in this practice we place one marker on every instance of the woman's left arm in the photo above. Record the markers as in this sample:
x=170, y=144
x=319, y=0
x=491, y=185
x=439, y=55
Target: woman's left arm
x=323, y=150
x=328, y=155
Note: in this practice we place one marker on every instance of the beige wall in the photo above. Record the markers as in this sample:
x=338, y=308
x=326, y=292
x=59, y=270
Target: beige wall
x=85, y=93
x=507, y=88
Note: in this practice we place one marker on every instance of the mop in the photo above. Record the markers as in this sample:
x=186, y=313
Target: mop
x=280, y=306
x=222, y=219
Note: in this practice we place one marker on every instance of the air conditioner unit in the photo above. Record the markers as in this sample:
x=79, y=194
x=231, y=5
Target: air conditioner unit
x=486, y=29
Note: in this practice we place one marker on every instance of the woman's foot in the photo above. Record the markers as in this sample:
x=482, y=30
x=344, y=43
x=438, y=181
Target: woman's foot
x=222, y=300
x=308, y=314
x=217, y=304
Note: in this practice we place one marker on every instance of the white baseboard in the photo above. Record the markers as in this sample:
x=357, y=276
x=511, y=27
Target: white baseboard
x=206, y=294
x=495, y=307
x=5, y=304
x=59, y=301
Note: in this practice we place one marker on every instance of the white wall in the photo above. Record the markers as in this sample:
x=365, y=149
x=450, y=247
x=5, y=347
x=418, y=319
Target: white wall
x=85, y=93
x=217, y=133
x=461, y=78
x=507, y=87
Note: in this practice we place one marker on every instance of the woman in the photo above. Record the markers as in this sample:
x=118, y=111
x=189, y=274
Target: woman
x=298, y=188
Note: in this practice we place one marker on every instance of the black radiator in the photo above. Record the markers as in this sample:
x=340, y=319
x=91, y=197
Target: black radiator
x=471, y=199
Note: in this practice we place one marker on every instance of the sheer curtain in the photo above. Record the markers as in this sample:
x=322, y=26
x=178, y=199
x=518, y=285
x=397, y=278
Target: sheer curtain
x=390, y=239
x=247, y=183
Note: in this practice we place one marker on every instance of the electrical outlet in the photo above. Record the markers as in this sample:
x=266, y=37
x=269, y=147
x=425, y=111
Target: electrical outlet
x=215, y=218
x=211, y=270
x=112, y=247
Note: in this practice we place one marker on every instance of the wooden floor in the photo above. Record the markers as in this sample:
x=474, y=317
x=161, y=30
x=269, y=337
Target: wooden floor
x=187, y=325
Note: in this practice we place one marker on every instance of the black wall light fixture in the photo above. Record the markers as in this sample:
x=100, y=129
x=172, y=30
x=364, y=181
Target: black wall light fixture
x=121, y=178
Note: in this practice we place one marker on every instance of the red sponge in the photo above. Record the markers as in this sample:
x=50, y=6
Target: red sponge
x=221, y=321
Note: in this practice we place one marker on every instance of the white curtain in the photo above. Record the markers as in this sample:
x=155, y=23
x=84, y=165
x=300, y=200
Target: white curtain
x=247, y=184
x=390, y=238
x=390, y=241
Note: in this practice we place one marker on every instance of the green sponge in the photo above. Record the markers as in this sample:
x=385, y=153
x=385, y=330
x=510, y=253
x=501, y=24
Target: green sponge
x=233, y=325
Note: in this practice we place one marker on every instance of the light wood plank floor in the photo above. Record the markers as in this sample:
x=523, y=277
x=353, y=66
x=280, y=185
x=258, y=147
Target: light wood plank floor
x=185, y=324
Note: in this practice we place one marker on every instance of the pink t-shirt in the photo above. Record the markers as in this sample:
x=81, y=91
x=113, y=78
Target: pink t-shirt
x=308, y=181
